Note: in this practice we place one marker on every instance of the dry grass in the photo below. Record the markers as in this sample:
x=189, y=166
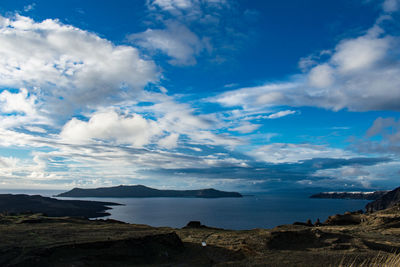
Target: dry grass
x=386, y=260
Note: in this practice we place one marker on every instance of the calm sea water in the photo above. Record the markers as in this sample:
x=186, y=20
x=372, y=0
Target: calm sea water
x=258, y=211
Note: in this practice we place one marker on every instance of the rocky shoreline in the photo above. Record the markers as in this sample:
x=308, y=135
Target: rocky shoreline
x=348, y=239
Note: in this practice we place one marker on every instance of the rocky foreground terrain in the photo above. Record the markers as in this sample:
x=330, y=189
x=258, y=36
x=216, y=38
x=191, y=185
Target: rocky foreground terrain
x=351, y=238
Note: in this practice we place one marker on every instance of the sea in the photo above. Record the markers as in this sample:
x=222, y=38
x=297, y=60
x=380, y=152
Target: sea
x=259, y=210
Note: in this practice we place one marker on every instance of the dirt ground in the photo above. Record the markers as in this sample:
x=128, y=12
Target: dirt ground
x=36, y=240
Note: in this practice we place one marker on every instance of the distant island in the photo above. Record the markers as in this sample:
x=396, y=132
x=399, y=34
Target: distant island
x=350, y=195
x=16, y=204
x=141, y=191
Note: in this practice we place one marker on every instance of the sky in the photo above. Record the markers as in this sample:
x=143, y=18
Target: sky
x=236, y=95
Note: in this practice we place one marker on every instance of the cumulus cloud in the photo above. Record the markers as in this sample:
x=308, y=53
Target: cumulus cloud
x=68, y=63
x=360, y=74
x=361, y=53
x=17, y=102
x=20, y=108
x=321, y=76
x=112, y=127
x=181, y=118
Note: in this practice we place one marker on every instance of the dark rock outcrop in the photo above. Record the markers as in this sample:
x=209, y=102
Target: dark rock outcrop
x=151, y=249
x=349, y=218
x=194, y=224
x=388, y=200
x=304, y=239
x=198, y=225
x=17, y=204
x=308, y=223
x=144, y=191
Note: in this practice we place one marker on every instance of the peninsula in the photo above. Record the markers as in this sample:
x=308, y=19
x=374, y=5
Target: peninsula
x=144, y=191
x=350, y=195
x=16, y=204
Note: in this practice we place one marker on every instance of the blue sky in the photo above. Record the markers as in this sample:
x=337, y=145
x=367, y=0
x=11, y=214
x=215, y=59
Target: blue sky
x=230, y=94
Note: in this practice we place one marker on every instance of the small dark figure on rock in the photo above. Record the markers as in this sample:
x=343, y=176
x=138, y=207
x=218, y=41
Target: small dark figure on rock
x=317, y=222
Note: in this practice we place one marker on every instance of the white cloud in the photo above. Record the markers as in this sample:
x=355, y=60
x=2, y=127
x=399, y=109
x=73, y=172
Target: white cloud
x=250, y=97
x=17, y=102
x=111, y=127
x=365, y=176
x=181, y=118
x=361, y=53
x=171, y=141
x=176, y=41
x=68, y=63
x=35, y=129
x=14, y=171
x=391, y=5
x=177, y=34
x=286, y=152
x=8, y=162
x=321, y=76
x=189, y=9
x=361, y=74
x=171, y=5
x=20, y=108
x=281, y=114
x=30, y=7
x=246, y=127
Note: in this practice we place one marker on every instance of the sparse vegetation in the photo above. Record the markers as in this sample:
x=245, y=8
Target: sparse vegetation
x=382, y=259
x=37, y=240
